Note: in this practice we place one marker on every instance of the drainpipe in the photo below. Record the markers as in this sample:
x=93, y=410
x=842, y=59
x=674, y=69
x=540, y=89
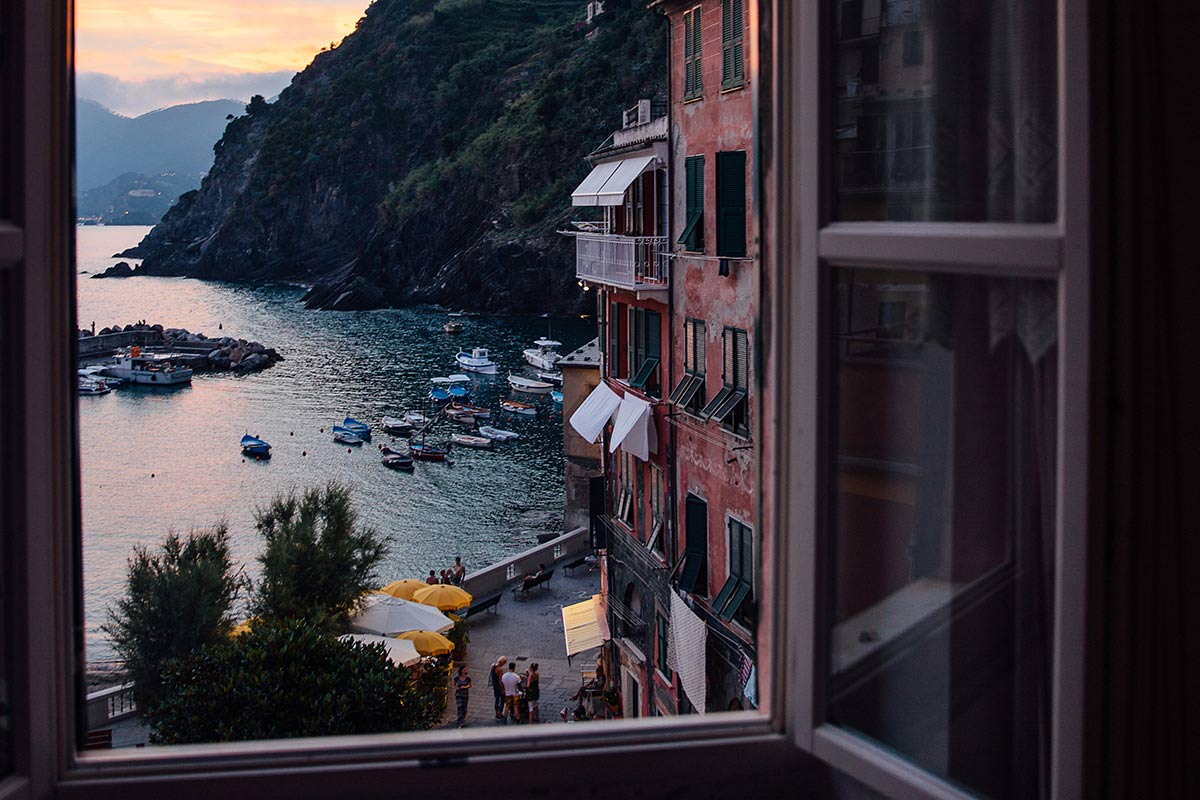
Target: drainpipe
x=672, y=475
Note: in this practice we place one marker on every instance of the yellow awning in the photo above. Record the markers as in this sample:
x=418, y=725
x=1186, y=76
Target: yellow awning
x=584, y=626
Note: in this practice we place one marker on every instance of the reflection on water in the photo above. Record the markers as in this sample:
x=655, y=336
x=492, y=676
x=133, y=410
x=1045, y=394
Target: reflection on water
x=155, y=460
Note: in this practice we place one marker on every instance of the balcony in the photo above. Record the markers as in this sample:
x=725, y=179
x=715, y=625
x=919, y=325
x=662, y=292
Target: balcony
x=637, y=263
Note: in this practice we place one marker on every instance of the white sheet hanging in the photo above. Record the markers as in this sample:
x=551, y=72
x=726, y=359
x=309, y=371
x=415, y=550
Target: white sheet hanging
x=594, y=412
x=631, y=432
x=686, y=651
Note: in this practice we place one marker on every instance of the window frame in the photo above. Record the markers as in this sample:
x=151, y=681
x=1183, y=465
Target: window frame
x=692, y=235
x=733, y=57
x=1058, y=251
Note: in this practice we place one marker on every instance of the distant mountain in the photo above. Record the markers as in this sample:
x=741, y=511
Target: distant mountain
x=134, y=199
x=176, y=140
x=428, y=158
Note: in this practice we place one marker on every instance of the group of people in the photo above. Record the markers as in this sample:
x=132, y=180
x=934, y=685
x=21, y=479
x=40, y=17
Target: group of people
x=453, y=576
x=516, y=693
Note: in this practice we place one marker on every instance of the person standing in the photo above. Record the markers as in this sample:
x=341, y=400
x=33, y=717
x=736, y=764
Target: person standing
x=533, y=691
x=458, y=571
x=462, y=693
x=496, y=672
x=432, y=579
x=512, y=693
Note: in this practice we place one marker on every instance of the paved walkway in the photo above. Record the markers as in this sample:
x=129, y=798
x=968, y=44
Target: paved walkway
x=525, y=631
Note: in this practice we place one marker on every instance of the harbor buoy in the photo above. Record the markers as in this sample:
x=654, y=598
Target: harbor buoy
x=303, y=452
x=151, y=474
x=349, y=449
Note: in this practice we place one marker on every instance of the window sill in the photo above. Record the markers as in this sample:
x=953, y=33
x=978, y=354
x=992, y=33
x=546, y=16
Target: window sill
x=734, y=88
x=690, y=100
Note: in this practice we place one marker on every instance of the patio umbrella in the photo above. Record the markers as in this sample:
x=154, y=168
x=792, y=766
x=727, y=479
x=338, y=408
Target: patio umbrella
x=429, y=643
x=443, y=596
x=387, y=616
x=403, y=588
x=399, y=651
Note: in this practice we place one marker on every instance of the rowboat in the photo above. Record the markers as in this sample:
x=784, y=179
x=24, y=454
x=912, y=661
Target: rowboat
x=415, y=418
x=439, y=395
x=467, y=440
x=345, y=436
x=396, y=425
x=87, y=386
x=551, y=377
x=427, y=452
x=475, y=411
x=255, y=447
x=529, y=385
x=517, y=407
x=497, y=434
x=557, y=396
x=398, y=461
x=453, y=326
x=460, y=416
x=359, y=429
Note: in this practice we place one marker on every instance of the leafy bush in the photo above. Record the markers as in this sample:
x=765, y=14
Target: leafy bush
x=318, y=561
x=178, y=599
x=287, y=679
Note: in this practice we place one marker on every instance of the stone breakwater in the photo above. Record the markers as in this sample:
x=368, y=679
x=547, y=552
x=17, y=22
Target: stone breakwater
x=204, y=353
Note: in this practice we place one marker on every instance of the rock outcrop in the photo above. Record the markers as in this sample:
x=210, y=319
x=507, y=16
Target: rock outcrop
x=119, y=270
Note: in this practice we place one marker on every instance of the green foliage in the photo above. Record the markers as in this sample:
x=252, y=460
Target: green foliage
x=178, y=598
x=288, y=679
x=318, y=562
x=460, y=634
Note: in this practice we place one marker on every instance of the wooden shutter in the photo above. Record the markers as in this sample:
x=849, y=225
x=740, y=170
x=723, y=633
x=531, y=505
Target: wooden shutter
x=739, y=70
x=742, y=357
x=614, y=339
x=653, y=335
x=731, y=204
x=701, y=346
x=697, y=53
x=689, y=78
x=728, y=373
x=732, y=60
x=689, y=345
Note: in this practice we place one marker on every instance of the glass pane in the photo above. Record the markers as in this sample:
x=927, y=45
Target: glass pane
x=945, y=111
x=942, y=506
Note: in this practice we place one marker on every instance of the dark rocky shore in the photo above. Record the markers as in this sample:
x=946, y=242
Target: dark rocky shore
x=219, y=354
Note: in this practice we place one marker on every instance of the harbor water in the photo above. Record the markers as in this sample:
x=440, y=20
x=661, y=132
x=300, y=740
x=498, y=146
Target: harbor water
x=157, y=460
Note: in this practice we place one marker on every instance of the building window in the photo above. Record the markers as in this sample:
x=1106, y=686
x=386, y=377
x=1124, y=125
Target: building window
x=693, y=73
x=733, y=72
x=731, y=406
x=657, y=540
x=663, y=630
x=731, y=204
x=616, y=315
x=914, y=48
x=688, y=394
x=694, y=577
x=625, y=489
x=692, y=237
x=735, y=601
x=645, y=349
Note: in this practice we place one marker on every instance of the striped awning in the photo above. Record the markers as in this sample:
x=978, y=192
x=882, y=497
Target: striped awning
x=605, y=185
x=584, y=626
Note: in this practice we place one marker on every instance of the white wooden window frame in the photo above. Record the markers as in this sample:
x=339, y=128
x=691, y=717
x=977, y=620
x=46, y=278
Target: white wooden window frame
x=810, y=245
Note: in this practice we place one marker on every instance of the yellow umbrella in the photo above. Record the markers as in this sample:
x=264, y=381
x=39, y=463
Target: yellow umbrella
x=428, y=643
x=444, y=596
x=403, y=588
x=243, y=627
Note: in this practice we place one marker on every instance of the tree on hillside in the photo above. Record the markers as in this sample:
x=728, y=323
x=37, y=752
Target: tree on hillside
x=318, y=561
x=178, y=598
x=289, y=679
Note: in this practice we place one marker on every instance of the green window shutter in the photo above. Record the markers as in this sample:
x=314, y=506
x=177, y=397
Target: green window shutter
x=701, y=346
x=732, y=57
x=653, y=334
x=692, y=237
x=688, y=76
x=614, y=339
x=742, y=356
x=731, y=204
x=697, y=52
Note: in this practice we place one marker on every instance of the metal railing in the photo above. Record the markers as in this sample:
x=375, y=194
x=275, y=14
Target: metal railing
x=627, y=262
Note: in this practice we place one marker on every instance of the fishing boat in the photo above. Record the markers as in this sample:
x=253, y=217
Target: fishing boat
x=476, y=361
x=542, y=355
x=453, y=326
x=477, y=412
x=427, y=452
x=359, y=429
x=460, y=416
x=415, y=418
x=396, y=425
x=557, y=396
x=394, y=459
x=551, y=377
x=467, y=440
x=255, y=447
x=517, y=407
x=496, y=434
x=346, y=436
x=148, y=369
x=89, y=387
x=529, y=385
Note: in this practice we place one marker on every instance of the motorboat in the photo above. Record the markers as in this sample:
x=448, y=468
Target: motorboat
x=467, y=440
x=148, y=369
x=346, y=436
x=478, y=412
x=255, y=447
x=476, y=361
x=453, y=326
x=359, y=429
x=496, y=434
x=557, y=396
x=415, y=418
x=89, y=387
x=396, y=425
x=542, y=355
x=529, y=385
x=517, y=407
x=394, y=459
x=551, y=377
x=459, y=393
x=439, y=395
x=428, y=452
x=460, y=416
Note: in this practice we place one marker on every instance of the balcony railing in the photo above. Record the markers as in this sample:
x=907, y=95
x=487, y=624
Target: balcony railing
x=626, y=262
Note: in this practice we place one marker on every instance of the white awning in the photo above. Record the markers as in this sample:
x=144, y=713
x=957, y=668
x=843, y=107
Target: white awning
x=583, y=626
x=594, y=412
x=633, y=430
x=605, y=185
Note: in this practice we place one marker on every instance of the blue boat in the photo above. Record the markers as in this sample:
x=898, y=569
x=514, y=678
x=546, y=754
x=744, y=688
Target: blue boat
x=556, y=396
x=255, y=447
x=459, y=393
x=359, y=429
x=439, y=395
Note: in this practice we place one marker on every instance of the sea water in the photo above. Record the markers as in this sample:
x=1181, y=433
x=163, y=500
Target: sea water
x=159, y=460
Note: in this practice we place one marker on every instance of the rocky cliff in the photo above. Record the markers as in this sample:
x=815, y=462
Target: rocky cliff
x=429, y=158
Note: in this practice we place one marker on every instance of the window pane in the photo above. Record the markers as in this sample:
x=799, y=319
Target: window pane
x=943, y=421
x=945, y=111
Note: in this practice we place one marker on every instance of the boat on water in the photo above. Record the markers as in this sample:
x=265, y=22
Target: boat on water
x=517, y=407
x=148, y=369
x=543, y=354
x=551, y=377
x=476, y=361
x=343, y=435
x=359, y=429
x=89, y=387
x=460, y=416
x=394, y=459
x=415, y=418
x=529, y=385
x=396, y=425
x=497, y=434
x=254, y=447
x=478, y=412
x=439, y=395
x=453, y=326
x=427, y=452
x=467, y=440
x=557, y=396
x=459, y=393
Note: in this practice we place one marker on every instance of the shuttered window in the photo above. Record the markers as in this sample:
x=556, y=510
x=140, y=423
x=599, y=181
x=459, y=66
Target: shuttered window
x=692, y=238
x=693, y=79
x=735, y=600
x=694, y=577
x=645, y=349
x=733, y=70
x=731, y=204
x=615, y=313
x=689, y=392
x=730, y=406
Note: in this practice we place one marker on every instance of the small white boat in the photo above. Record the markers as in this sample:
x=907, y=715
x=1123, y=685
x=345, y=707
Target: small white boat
x=476, y=361
x=415, y=418
x=543, y=355
x=346, y=436
x=497, y=434
x=529, y=385
x=557, y=396
x=148, y=369
x=467, y=440
x=517, y=407
x=475, y=411
x=89, y=387
x=460, y=416
x=553, y=377
x=453, y=326
x=395, y=425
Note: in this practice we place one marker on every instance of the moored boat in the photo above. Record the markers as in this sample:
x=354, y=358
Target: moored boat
x=557, y=396
x=476, y=361
x=529, y=385
x=542, y=355
x=478, y=412
x=415, y=418
x=439, y=395
x=255, y=447
x=359, y=429
x=497, y=434
x=460, y=416
x=148, y=369
x=551, y=377
x=396, y=425
x=453, y=326
x=89, y=387
x=517, y=407
x=427, y=452
x=398, y=461
x=467, y=440
x=343, y=435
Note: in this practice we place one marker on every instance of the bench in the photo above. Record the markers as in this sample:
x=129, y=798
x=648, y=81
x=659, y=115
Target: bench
x=484, y=603
x=576, y=564
x=529, y=583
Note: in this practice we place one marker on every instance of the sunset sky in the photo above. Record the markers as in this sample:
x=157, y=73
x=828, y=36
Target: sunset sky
x=136, y=55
